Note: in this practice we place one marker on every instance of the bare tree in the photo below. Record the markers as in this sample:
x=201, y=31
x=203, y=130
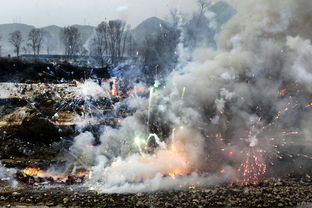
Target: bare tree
x=127, y=38
x=131, y=45
x=175, y=18
x=116, y=35
x=111, y=39
x=159, y=51
x=16, y=40
x=35, y=39
x=83, y=51
x=203, y=7
x=197, y=30
x=72, y=41
x=25, y=50
x=99, y=44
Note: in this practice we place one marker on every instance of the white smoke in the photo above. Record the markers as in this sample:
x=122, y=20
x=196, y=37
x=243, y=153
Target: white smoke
x=137, y=172
x=91, y=90
x=8, y=175
x=227, y=91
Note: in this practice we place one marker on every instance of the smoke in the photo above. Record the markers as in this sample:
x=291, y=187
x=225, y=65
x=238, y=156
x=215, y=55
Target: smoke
x=7, y=174
x=225, y=116
x=8, y=90
x=91, y=90
x=144, y=172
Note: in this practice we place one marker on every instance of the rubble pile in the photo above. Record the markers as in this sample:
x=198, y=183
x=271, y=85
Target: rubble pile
x=35, y=117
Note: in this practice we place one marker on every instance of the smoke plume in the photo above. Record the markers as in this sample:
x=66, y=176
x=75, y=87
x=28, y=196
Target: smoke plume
x=230, y=114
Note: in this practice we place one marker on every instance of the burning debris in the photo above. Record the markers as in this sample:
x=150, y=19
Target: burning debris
x=114, y=91
x=36, y=176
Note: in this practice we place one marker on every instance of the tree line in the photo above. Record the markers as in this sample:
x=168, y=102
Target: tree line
x=112, y=40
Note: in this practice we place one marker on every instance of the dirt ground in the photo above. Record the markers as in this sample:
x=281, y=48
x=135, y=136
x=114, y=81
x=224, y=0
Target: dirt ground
x=293, y=193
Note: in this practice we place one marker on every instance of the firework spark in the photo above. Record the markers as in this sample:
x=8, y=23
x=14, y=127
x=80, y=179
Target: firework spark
x=262, y=150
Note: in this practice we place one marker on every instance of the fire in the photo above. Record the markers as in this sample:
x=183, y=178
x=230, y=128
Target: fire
x=38, y=176
x=282, y=92
x=114, y=91
x=33, y=172
x=41, y=173
x=182, y=163
x=81, y=174
x=183, y=168
x=176, y=173
x=192, y=187
x=172, y=175
x=309, y=105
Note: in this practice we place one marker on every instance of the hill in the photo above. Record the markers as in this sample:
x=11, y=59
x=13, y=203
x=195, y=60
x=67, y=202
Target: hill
x=150, y=28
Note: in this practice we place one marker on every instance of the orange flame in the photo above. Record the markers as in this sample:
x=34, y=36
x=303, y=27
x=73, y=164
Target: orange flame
x=33, y=172
x=309, y=105
x=173, y=174
x=183, y=168
x=81, y=174
x=41, y=173
x=192, y=187
x=282, y=92
x=114, y=88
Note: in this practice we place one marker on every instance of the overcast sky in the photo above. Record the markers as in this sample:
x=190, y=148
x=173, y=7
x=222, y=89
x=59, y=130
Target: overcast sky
x=66, y=12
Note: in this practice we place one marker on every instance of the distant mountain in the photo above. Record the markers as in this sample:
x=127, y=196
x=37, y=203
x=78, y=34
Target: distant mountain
x=52, y=32
x=150, y=28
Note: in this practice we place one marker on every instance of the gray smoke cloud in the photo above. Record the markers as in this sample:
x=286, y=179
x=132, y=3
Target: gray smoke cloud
x=7, y=175
x=225, y=115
